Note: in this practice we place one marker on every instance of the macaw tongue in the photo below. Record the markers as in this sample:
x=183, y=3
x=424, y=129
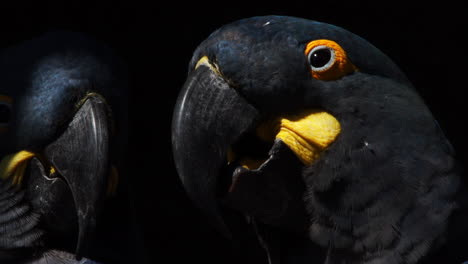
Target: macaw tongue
x=269, y=193
x=258, y=186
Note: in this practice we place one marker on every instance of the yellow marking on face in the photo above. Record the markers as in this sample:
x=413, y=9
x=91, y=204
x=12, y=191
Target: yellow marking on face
x=87, y=96
x=52, y=170
x=206, y=62
x=13, y=166
x=307, y=134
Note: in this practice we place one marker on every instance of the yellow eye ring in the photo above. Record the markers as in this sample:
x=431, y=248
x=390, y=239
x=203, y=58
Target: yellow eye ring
x=327, y=60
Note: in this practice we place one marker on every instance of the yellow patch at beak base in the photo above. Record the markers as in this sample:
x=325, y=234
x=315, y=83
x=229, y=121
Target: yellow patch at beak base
x=14, y=165
x=206, y=62
x=307, y=134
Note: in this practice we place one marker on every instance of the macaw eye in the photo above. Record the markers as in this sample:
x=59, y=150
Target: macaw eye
x=321, y=58
x=5, y=112
x=327, y=60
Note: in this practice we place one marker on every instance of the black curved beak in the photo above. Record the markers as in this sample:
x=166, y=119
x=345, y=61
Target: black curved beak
x=209, y=117
x=81, y=157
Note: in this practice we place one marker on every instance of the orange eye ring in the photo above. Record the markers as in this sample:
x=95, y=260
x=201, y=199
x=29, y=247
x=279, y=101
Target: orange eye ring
x=328, y=60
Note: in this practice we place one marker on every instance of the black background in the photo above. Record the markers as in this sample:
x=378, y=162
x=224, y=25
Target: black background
x=156, y=42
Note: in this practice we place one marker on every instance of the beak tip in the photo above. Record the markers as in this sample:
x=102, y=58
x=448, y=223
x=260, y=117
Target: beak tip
x=86, y=228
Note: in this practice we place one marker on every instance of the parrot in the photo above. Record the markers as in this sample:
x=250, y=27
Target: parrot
x=63, y=134
x=321, y=143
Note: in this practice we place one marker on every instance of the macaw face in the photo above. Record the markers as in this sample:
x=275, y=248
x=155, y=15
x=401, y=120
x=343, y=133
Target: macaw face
x=308, y=127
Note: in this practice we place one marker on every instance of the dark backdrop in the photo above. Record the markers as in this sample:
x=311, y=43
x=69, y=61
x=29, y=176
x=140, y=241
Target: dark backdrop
x=156, y=42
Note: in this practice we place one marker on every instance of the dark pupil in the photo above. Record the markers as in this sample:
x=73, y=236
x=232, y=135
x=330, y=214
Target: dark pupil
x=4, y=114
x=320, y=57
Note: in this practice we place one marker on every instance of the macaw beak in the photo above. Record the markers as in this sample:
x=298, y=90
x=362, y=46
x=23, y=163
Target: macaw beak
x=80, y=157
x=209, y=116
